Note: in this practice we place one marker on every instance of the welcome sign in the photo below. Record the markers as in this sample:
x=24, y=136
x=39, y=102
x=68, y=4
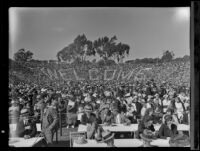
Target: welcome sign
x=91, y=74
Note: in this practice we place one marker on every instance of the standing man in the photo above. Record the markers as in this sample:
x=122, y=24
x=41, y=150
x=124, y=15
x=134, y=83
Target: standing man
x=50, y=122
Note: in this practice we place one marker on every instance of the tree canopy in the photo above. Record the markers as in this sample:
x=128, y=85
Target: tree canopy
x=167, y=56
x=78, y=50
x=105, y=47
x=22, y=55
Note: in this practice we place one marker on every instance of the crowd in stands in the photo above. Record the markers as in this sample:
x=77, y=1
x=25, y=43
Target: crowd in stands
x=163, y=99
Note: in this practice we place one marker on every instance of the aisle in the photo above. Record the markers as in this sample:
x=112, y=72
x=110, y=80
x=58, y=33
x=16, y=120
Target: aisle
x=63, y=141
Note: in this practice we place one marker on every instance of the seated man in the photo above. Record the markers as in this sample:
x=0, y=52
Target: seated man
x=166, y=128
x=146, y=123
x=108, y=138
x=108, y=117
x=89, y=119
x=25, y=127
x=14, y=112
x=120, y=118
x=88, y=116
x=147, y=136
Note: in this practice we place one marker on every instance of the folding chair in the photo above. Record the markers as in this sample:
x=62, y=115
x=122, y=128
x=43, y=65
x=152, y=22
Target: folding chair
x=74, y=136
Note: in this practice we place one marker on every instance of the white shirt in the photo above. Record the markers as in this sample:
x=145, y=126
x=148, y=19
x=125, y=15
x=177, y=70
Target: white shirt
x=118, y=119
x=80, y=115
x=143, y=110
x=179, y=107
x=148, y=105
x=166, y=103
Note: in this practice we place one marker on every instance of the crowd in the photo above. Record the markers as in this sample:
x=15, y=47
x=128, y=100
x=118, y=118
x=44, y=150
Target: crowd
x=162, y=97
x=83, y=102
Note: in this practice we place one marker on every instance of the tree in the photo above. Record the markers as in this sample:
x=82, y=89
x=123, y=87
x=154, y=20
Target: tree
x=89, y=49
x=105, y=47
x=22, y=55
x=66, y=54
x=121, y=51
x=80, y=46
x=186, y=57
x=167, y=56
x=78, y=50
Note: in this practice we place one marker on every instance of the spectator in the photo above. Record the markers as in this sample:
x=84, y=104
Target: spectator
x=167, y=128
x=71, y=112
x=26, y=127
x=14, y=112
x=179, y=109
x=88, y=116
x=157, y=112
x=50, y=122
x=108, y=117
x=108, y=138
x=166, y=103
x=138, y=108
x=120, y=118
x=146, y=123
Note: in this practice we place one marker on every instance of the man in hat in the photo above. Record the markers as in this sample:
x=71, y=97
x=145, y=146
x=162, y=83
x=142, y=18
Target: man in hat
x=88, y=117
x=146, y=123
x=14, y=112
x=108, y=138
x=120, y=118
x=26, y=127
x=147, y=136
x=108, y=117
x=50, y=122
x=72, y=108
x=138, y=108
x=165, y=129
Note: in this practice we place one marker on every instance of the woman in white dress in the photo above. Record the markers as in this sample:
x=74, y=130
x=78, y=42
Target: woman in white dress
x=179, y=109
x=166, y=103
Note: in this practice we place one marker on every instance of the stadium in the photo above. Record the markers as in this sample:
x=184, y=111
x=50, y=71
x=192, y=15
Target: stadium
x=96, y=93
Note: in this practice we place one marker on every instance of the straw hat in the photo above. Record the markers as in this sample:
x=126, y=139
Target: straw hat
x=127, y=95
x=107, y=135
x=180, y=140
x=88, y=108
x=24, y=112
x=12, y=102
x=81, y=140
x=147, y=135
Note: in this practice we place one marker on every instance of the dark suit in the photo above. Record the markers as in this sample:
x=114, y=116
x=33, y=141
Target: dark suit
x=108, y=119
x=122, y=118
x=164, y=131
x=90, y=120
x=137, y=113
x=49, y=123
x=142, y=127
x=21, y=128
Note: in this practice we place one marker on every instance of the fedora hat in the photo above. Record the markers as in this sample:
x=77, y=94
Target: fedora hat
x=107, y=135
x=147, y=135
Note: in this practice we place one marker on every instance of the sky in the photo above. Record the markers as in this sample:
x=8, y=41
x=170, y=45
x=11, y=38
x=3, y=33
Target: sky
x=148, y=31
